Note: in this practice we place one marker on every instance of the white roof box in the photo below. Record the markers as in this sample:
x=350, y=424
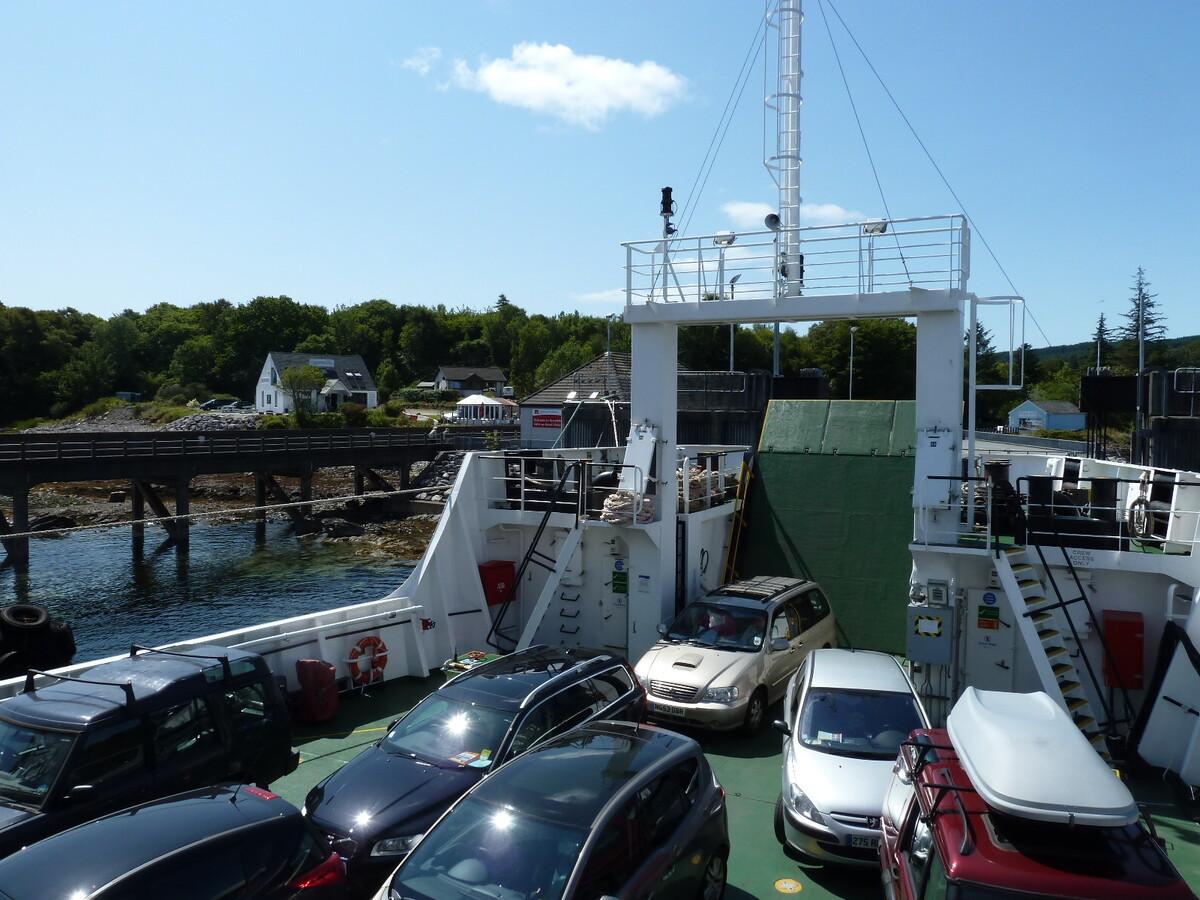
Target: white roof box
x=1026, y=758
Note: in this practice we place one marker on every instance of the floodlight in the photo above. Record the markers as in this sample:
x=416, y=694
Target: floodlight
x=724, y=239
x=877, y=227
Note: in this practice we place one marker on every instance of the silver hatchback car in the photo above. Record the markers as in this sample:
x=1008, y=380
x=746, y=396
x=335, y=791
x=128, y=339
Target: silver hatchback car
x=729, y=654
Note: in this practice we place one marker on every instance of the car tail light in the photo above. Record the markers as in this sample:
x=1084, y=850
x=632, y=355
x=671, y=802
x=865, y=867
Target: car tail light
x=331, y=871
x=259, y=792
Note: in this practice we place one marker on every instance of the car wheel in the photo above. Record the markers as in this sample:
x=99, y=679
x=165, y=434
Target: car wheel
x=780, y=834
x=756, y=712
x=713, y=886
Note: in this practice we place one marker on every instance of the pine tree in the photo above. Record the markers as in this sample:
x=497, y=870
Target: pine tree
x=1143, y=316
x=1103, y=340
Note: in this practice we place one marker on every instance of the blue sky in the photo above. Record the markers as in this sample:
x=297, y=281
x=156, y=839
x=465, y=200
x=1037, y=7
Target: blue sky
x=447, y=153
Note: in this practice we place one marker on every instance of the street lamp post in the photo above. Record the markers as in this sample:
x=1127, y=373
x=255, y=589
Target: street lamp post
x=853, y=329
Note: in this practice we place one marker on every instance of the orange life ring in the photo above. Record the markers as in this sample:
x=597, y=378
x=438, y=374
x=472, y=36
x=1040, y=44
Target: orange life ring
x=374, y=652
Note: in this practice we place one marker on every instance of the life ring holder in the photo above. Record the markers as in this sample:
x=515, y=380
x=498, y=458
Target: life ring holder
x=374, y=652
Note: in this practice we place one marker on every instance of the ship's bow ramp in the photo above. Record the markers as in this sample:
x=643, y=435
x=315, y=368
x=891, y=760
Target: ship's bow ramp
x=833, y=502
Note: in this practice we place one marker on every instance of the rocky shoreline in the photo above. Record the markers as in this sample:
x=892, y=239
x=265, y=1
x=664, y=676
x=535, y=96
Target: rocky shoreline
x=399, y=525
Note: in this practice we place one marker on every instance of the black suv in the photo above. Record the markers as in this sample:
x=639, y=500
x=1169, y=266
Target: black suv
x=215, y=842
x=135, y=729
x=389, y=794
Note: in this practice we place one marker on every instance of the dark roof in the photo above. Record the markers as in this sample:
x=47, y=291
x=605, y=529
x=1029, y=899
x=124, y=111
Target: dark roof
x=459, y=373
x=1056, y=406
x=606, y=374
x=166, y=677
x=506, y=682
x=107, y=848
x=350, y=370
x=595, y=761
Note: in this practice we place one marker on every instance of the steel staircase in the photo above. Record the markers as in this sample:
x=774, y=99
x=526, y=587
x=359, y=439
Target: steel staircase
x=1043, y=624
x=557, y=564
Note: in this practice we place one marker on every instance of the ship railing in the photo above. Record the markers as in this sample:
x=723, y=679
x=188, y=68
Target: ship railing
x=1101, y=512
x=591, y=489
x=931, y=253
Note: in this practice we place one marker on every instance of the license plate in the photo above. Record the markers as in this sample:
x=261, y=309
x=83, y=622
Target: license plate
x=666, y=709
x=865, y=843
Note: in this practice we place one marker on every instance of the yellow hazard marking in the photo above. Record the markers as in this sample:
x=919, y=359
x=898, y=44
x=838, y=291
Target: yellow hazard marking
x=927, y=626
x=788, y=886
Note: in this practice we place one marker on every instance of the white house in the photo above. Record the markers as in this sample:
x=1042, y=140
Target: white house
x=346, y=381
x=1046, y=415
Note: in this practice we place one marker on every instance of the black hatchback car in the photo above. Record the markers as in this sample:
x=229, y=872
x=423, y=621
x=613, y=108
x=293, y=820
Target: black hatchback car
x=610, y=809
x=210, y=844
x=387, y=796
x=152, y=724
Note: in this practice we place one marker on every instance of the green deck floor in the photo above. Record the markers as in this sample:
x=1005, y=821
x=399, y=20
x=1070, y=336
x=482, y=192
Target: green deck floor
x=748, y=769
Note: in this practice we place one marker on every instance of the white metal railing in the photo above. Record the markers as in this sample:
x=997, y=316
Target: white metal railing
x=1103, y=512
x=705, y=477
x=930, y=253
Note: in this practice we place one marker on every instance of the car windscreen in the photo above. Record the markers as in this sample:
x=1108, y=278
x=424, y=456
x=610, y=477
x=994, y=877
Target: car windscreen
x=30, y=761
x=869, y=724
x=449, y=732
x=483, y=850
x=725, y=626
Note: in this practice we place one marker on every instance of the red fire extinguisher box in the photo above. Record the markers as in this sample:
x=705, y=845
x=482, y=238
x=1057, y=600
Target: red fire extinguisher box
x=497, y=577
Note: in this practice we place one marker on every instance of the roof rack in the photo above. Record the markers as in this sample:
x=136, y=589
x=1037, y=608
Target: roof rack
x=226, y=671
x=31, y=688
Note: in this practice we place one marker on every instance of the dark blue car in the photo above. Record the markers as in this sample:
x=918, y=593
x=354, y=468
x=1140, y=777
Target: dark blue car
x=386, y=797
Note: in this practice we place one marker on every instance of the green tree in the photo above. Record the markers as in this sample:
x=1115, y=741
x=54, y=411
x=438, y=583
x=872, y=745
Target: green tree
x=87, y=377
x=1102, y=338
x=301, y=383
x=1144, y=318
x=562, y=360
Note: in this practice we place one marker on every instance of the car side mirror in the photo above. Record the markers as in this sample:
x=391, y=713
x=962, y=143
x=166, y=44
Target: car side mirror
x=344, y=847
x=782, y=727
x=80, y=792
x=661, y=629
x=779, y=644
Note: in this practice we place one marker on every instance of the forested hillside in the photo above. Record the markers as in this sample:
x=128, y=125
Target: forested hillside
x=53, y=363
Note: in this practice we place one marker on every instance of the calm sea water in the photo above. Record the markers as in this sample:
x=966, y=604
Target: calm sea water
x=227, y=580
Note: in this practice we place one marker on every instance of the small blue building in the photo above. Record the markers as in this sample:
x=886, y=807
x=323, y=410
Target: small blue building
x=1046, y=415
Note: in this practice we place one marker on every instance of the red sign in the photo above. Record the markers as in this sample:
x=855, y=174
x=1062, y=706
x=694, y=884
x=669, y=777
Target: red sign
x=547, y=420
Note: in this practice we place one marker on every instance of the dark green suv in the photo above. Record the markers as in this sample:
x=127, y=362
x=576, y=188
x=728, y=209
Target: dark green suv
x=135, y=729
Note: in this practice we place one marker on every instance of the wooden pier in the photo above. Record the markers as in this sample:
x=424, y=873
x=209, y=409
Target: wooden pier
x=159, y=469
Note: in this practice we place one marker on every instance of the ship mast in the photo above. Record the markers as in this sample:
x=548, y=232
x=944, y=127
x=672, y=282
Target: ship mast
x=784, y=164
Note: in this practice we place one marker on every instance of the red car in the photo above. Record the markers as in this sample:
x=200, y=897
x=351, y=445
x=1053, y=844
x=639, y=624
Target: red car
x=1011, y=801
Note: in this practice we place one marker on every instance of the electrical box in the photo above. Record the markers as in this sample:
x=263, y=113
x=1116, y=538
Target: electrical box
x=1125, y=635
x=930, y=634
x=497, y=577
x=990, y=646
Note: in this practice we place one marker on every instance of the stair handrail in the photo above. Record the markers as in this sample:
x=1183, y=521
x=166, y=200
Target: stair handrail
x=494, y=632
x=1023, y=527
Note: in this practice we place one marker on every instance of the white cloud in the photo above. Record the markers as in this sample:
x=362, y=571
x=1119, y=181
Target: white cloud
x=750, y=215
x=828, y=214
x=422, y=61
x=580, y=90
x=747, y=215
x=614, y=296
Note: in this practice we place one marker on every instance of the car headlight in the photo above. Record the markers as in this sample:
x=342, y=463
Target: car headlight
x=395, y=846
x=721, y=694
x=799, y=801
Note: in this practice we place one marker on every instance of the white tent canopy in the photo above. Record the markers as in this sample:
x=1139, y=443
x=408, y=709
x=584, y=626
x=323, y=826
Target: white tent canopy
x=478, y=408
